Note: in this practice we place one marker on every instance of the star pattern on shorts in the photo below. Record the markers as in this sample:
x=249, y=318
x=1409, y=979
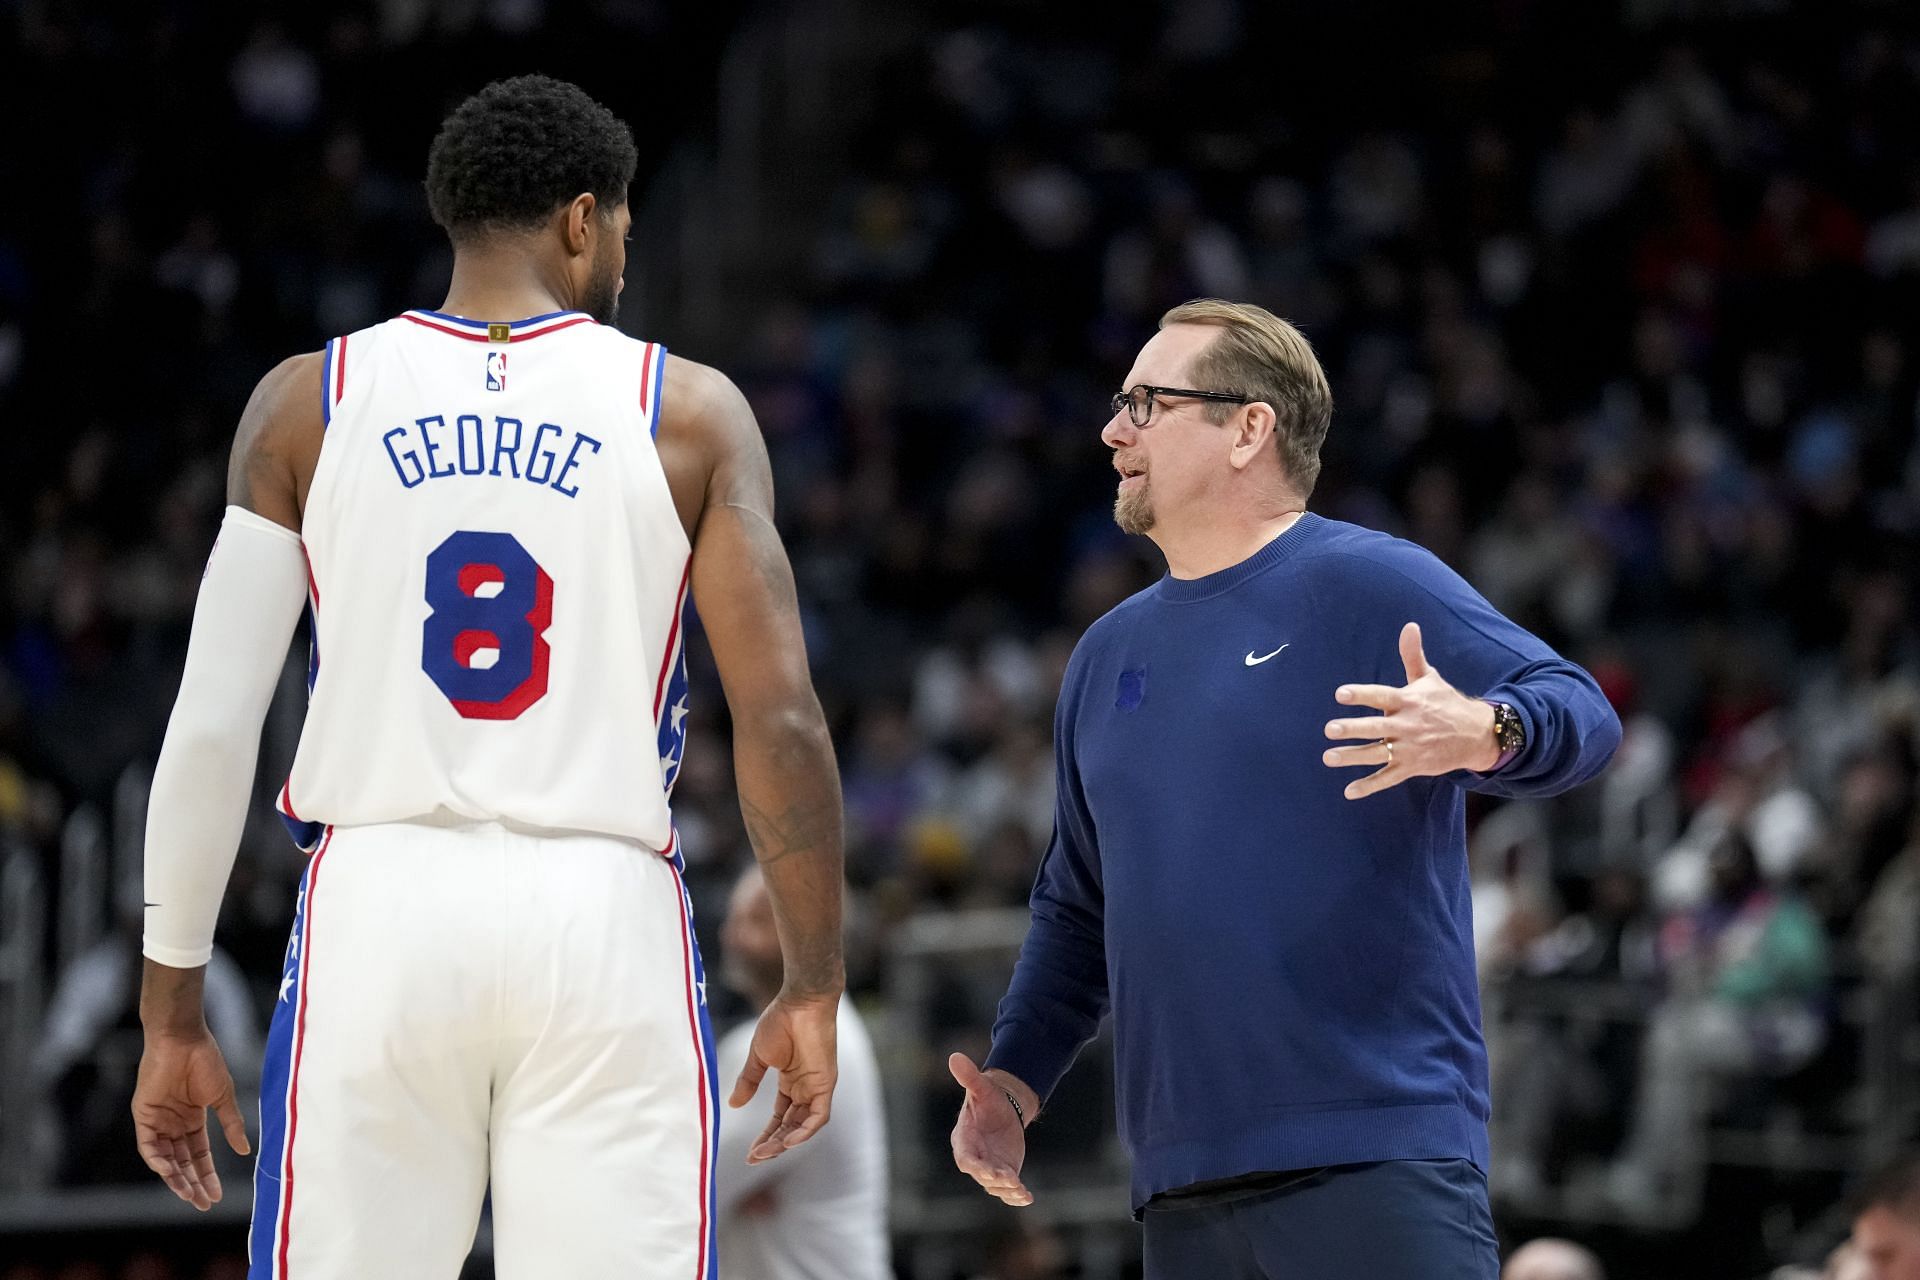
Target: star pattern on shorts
x=673, y=726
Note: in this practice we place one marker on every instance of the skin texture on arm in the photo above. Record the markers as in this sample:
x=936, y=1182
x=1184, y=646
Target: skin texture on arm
x=716, y=464
x=182, y=1072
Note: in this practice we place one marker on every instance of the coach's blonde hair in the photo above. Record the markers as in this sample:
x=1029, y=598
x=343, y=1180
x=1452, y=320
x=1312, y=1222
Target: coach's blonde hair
x=1262, y=357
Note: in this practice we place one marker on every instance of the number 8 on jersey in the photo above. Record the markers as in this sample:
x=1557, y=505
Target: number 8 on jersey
x=510, y=621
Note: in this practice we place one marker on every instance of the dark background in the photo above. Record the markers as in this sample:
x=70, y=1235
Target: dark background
x=1618, y=305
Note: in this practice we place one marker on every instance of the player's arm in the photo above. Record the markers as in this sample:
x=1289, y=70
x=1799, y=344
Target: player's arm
x=249, y=599
x=737, y=1178
x=783, y=757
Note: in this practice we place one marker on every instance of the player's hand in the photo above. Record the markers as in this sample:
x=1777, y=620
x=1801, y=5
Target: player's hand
x=180, y=1077
x=796, y=1037
x=989, y=1142
x=1432, y=727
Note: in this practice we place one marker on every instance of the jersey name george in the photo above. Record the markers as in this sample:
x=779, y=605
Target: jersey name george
x=498, y=578
x=428, y=449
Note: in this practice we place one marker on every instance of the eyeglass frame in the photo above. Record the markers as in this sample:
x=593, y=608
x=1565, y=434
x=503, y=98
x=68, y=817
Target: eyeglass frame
x=1125, y=398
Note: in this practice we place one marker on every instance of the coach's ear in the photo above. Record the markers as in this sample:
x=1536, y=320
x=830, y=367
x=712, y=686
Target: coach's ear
x=1253, y=426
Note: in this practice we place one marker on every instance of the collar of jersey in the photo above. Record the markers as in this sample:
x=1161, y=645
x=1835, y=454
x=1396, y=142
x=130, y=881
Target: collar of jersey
x=481, y=325
x=483, y=330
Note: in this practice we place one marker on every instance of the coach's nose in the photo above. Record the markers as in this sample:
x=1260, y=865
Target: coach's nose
x=1119, y=431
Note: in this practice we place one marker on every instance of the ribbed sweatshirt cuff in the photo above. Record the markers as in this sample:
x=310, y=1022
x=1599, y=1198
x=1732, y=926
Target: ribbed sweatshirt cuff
x=1026, y=1050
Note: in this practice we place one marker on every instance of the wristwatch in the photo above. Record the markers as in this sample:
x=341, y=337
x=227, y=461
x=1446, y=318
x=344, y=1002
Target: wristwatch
x=1508, y=732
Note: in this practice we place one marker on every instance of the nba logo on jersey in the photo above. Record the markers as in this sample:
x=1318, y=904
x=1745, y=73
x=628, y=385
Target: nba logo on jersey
x=496, y=371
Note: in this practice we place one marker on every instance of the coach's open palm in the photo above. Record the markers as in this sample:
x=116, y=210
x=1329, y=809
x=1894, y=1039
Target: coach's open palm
x=797, y=1038
x=989, y=1142
x=180, y=1077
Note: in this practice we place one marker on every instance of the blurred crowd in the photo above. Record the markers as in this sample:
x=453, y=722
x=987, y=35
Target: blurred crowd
x=1619, y=321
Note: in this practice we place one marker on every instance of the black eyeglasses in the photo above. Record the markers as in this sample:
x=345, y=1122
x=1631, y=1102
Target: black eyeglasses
x=1138, y=400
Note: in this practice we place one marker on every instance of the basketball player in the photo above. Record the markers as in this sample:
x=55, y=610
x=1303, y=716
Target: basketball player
x=494, y=514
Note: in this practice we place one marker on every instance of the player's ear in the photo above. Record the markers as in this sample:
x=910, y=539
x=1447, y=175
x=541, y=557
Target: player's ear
x=580, y=211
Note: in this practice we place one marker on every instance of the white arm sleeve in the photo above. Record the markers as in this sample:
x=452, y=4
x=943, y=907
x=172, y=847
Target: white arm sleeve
x=255, y=584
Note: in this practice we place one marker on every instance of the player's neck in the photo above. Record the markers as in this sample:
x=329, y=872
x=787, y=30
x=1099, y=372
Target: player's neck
x=504, y=284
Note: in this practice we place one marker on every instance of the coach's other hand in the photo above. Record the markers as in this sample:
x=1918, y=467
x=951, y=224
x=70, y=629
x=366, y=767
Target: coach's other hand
x=989, y=1141
x=1426, y=728
x=180, y=1077
x=795, y=1037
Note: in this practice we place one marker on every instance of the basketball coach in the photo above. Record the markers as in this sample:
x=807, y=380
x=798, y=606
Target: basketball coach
x=1278, y=923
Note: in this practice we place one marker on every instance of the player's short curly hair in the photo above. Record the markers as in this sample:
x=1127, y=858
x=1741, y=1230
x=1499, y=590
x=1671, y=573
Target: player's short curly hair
x=519, y=149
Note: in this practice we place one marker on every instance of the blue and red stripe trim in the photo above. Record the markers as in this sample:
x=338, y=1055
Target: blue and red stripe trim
x=333, y=378
x=673, y=640
x=707, y=1084
x=653, y=377
x=476, y=330
x=270, y=1233
x=306, y=834
x=326, y=384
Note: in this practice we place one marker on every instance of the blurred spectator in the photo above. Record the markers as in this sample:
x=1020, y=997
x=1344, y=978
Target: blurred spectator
x=1889, y=932
x=1746, y=972
x=1029, y=1251
x=1564, y=1059
x=1551, y=1259
x=818, y=1212
x=1633, y=346
x=1846, y=1262
x=1886, y=1222
x=89, y=1050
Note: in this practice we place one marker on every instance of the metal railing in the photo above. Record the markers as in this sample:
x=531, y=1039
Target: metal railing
x=1782, y=1143
x=85, y=868
x=23, y=924
x=940, y=1218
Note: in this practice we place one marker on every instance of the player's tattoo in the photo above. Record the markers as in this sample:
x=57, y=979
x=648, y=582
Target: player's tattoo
x=805, y=826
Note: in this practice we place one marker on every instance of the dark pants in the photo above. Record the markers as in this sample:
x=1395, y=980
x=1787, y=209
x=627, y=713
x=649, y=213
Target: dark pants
x=1399, y=1220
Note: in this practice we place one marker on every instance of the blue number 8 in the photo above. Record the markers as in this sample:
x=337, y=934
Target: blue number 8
x=512, y=622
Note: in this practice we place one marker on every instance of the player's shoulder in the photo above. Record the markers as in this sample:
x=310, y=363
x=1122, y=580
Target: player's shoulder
x=282, y=386
x=702, y=409
x=699, y=391
x=278, y=439
x=286, y=404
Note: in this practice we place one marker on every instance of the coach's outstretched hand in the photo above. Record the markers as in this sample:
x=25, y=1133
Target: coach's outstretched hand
x=989, y=1141
x=180, y=1077
x=796, y=1037
x=1427, y=728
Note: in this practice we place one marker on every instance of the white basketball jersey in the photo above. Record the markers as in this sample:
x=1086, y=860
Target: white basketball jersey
x=498, y=580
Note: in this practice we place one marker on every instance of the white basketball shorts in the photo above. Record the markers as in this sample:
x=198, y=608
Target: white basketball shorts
x=471, y=1009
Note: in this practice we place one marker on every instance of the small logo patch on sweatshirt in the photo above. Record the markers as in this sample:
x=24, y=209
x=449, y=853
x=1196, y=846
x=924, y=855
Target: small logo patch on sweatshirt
x=1133, y=687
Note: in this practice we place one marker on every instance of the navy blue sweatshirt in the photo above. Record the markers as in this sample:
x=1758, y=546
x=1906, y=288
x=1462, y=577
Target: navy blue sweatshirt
x=1290, y=972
